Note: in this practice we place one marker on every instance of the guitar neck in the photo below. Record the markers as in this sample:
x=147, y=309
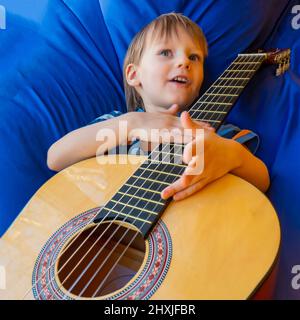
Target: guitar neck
x=138, y=201
x=215, y=104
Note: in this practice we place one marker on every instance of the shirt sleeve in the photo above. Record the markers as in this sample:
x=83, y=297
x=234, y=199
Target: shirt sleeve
x=107, y=116
x=121, y=149
x=246, y=137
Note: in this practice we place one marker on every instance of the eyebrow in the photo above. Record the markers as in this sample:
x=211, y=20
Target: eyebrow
x=167, y=46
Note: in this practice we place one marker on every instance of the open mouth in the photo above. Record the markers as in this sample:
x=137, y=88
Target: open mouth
x=180, y=80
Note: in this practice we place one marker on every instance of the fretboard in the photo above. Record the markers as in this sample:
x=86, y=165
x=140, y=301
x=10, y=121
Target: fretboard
x=138, y=201
x=214, y=105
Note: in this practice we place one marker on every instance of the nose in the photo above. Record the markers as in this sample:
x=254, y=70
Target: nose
x=184, y=62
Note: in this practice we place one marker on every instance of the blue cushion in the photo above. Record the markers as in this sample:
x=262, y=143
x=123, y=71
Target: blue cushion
x=60, y=80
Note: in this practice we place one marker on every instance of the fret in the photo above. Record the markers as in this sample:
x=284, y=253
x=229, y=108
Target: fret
x=209, y=120
x=237, y=75
x=208, y=117
x=253, y=55
x=162, y=172
x=169, y=153
x=126, y=215
x=147, y=184
x=239, y=87
x=249, y=62
x=214, y=106
x=217, y=109
x=133, y=207
x=131, y=213
x=238, y=70
x=166, y=157
x=225, y=91
x=146, y=191
x=232, y=81
x=163, y=147
x=219, y=98
x=221, y=94
x=139, y=203
x=215, y=103
x=174, y=164
x=226, y=78
x=140, y=198
x=168, y=167
x=152, y=180
x=178, y=149
x=157, y=177
x=213, y=111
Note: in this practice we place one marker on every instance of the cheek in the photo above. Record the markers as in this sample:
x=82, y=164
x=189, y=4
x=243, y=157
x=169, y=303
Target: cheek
x=199, y=78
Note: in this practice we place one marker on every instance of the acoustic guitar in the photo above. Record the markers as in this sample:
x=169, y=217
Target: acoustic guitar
x=98, y=230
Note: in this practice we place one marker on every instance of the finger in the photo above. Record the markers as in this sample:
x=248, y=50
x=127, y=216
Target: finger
x=195, y=167
x=194, y=148
x=189, y=123
x=175, y=187
x=188, y=152
x=190, y=190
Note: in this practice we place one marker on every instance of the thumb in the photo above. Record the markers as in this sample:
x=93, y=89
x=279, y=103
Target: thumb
x=187, y=121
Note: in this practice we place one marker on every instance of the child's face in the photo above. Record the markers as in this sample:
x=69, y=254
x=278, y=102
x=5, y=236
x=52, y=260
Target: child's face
x=171, y=71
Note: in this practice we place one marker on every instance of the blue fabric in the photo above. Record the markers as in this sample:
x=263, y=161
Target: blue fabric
x=56, y=79
x=270, y=107
x=61, y=66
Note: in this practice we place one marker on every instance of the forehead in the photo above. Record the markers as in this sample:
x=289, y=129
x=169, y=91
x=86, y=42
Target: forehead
x=175, y=35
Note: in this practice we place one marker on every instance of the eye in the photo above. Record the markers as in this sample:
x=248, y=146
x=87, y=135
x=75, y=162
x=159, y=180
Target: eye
x=165, y=52
x=195, y=57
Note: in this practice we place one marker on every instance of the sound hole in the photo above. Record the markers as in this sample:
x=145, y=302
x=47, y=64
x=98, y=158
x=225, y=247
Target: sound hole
x=97, y=263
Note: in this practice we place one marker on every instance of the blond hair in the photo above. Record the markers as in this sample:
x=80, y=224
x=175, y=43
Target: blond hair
x=165, y=25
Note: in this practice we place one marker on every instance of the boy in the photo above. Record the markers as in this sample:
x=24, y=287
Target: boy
x=163, y=67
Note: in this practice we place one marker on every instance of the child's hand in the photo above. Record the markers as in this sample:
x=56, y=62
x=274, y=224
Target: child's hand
x=219, y=157
x=166, y=122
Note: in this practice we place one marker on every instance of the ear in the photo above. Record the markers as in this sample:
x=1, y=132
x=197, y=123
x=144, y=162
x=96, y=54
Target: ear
x=132, y=76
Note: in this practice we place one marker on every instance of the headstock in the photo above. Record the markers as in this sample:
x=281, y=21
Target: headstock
x=281, y=57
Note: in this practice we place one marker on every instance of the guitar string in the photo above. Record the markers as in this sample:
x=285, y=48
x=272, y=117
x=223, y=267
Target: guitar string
x=218, y=108
x=203, y=110
x=103, y=261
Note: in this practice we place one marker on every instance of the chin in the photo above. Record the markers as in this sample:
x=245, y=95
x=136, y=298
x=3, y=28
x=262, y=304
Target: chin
x=183, y=105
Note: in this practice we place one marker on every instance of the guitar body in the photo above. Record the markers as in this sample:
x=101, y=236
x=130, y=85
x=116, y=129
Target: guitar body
x=219, y=243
